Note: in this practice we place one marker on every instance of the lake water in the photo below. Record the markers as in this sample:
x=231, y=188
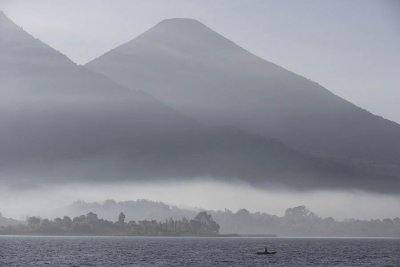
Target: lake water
x=149, y=251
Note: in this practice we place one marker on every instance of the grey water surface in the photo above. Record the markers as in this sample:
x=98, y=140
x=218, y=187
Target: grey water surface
x=177, y=251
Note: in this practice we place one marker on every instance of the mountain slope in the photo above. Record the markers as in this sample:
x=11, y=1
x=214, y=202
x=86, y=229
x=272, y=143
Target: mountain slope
x=63, y=123
x=53, y=110
x=202, y=74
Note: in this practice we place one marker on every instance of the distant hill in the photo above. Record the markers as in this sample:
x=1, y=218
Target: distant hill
x=136, y=210
x=63, y=123
x=297, y=221
x=202, y=74
x=8, y=221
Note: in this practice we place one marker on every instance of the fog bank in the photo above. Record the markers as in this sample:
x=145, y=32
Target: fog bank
x=50, y=201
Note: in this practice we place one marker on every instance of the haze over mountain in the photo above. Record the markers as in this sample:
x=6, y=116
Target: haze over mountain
x=202, y=74
x=61, y=122
x=52, y=109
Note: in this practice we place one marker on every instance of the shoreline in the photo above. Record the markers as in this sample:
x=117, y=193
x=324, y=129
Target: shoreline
x=176, y=236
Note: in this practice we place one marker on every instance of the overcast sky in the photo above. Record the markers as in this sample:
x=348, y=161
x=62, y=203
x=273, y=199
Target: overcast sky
x=350, y=47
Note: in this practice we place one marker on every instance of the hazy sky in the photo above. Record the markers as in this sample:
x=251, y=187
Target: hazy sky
x=350, y=47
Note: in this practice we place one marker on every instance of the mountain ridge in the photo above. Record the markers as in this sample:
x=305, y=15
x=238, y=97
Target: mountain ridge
x=210, y=78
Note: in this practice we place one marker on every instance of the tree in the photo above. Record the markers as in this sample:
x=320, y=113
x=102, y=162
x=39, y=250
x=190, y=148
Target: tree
x=121, y=218
x=67, y=221
x=300, y=211
x=92, y=217
x=34, y=220
x=204, y=224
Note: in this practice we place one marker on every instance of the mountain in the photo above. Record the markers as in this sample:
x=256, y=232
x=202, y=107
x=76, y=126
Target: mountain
x=202, y=74
x=63, y=123
x=53, y=111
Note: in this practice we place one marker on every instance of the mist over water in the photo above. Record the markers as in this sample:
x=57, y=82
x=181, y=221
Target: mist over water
x=205, y=193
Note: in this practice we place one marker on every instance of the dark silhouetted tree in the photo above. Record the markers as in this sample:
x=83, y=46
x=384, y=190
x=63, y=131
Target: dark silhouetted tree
x=121, y=218
x=34, y=220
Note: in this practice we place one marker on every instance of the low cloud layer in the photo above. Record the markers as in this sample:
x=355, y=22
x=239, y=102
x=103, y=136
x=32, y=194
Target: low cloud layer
x=50, y=201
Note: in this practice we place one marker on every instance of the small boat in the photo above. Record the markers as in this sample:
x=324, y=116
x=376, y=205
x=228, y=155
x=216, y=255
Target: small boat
x=266, y=252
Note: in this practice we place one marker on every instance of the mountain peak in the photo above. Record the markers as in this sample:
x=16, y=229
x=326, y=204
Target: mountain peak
x=182, y=23
x=183, y=35
x=181, y=26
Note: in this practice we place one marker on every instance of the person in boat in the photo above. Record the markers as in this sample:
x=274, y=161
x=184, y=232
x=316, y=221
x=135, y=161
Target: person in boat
x=265, y=250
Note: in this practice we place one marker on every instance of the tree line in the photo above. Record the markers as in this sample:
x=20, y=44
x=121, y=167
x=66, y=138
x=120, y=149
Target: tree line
x=90, y=224
x=301, y=222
